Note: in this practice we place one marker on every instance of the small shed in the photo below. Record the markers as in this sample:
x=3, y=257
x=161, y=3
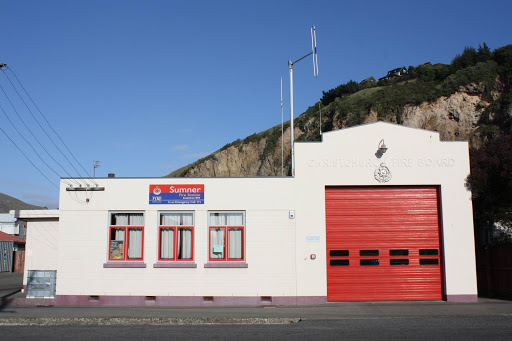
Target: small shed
x=368, y=80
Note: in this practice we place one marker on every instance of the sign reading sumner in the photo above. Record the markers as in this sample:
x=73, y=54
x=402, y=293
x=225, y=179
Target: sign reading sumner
x=176, y=194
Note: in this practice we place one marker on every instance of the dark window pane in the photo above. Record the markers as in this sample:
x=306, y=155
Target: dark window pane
x=338, y=253
x=399, y=252
x=398, y=262
x=368, y=252
x=369, y=262
x=429, y=261
x=428, y=252
x=339, y=262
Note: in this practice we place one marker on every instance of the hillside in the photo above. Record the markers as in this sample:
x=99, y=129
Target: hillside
x=470, y=99
x=8, y=203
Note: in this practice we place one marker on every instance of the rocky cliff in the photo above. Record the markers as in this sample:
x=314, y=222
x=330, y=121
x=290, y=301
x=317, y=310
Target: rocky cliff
x=456, y=117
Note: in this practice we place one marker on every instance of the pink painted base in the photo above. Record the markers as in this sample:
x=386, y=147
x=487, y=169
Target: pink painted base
x=462, y=298
x=82, y=300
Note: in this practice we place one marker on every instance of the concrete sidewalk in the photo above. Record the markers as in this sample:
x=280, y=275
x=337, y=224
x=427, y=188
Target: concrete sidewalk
x=330, y=311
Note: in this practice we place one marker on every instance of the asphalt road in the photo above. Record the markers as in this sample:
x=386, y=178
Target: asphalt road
x=417, y=328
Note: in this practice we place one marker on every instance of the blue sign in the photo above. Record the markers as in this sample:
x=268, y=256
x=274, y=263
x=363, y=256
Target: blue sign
x=176, y=194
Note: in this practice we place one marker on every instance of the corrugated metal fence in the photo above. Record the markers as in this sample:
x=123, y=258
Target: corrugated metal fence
x=6, y=254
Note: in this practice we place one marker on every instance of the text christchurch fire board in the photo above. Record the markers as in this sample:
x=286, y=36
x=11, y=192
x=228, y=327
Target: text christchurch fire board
x=176, y=194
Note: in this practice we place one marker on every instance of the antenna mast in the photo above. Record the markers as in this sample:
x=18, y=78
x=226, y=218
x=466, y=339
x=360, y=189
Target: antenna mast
x=320, y=122
x=96, y=165
x=282, y=130
x=315, y=74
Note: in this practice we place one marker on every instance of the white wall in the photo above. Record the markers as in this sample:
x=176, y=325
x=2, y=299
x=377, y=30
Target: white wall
x=414, y=157
x=42, y=246
x=277, y=249
x=270, y=240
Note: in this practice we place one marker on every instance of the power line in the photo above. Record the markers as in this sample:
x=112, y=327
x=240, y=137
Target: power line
x=26, y=157
x=40, y=112
x=37, y=140
x=30, y=131
x=35, y=151
x=35, y=119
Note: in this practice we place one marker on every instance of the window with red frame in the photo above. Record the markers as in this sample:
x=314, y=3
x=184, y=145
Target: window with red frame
x=126, y=237
x=227, y=236
x=176, y=235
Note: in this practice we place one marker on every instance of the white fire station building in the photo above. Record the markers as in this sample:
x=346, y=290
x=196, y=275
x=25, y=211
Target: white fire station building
x=374, y=212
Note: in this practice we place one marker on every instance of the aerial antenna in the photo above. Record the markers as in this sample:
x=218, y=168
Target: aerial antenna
x=315, y=74
x=96, y=165
x=282, y=130
x=313, y=51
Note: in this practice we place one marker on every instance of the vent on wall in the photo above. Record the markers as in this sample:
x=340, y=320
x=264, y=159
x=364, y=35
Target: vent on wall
x=266, y=299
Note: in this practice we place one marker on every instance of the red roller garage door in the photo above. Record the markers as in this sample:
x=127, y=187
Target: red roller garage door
x=383, y=243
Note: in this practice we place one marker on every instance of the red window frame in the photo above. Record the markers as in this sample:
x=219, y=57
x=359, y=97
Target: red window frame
x=175, y=248
x=226, y=244
x=126, y=242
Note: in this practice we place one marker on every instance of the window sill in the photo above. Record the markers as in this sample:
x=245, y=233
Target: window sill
x=123, y=264
x=175, y=264
x=226, y=265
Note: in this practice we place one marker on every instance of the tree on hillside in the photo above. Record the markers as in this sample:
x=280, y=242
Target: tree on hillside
x=484, y=53
x=491, y=182
x=348, y=88
x=470, y=56
x=466, y=59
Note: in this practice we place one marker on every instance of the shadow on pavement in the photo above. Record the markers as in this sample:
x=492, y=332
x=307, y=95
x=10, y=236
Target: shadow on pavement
x=10, y=284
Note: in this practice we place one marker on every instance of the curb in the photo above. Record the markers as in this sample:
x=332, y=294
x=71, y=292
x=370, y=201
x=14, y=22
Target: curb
x=119, y=321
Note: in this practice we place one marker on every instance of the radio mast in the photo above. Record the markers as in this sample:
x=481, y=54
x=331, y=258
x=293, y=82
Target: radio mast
x=315, y=74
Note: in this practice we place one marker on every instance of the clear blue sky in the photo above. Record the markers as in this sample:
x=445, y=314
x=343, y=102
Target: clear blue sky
x=150, y=86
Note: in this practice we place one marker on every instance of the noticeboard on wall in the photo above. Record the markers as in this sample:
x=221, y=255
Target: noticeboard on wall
x=176, y=194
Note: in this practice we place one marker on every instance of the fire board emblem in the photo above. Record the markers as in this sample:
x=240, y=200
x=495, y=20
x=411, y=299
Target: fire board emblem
x=157, y=191
x=382, y=174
